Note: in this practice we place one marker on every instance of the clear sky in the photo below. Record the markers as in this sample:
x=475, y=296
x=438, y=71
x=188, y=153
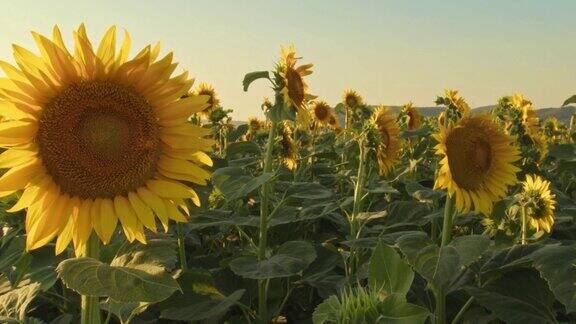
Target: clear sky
x=390, y=51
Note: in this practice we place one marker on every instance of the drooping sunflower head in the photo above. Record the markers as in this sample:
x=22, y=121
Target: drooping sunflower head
x=204, y=89
x=295, y=89
x=94, y=137
x=414, y=117
x=388, y=144
x=476, y=162
x=289, y=152
x=539, y=202
x=322, y=112
x=351, y=99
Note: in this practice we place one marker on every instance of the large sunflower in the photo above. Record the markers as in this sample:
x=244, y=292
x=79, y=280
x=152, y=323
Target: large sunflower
x=94, y=137
x=539, y=202
x=204, y=89
x=388, y=143
x=476, y=165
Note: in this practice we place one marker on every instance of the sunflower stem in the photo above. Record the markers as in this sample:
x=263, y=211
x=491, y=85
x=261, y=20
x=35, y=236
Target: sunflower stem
x=523, y=230
x=90, y=305
x=358, y=197
x=181, y=246
x=439, y=294
x=264, y=210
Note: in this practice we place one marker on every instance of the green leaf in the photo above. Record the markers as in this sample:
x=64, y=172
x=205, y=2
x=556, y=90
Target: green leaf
x=421, y=193
x=196, y=308
x=327, y=311
x=148, y=283
x=556, y=264
x=564, y=152
x=290, y=259
x=306, y=190
x=395, y=310
x=388, y=272
x=517, y=297
x=570, y=100
x=124, y=311
x=253, y=76
x=160, y=251
x=11, y=252
x=242, y=148
x=235, y=184
x=515, y=257
x=441, y=265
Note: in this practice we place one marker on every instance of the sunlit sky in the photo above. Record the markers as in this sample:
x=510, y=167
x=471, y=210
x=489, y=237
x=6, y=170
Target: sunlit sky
x=391, y=52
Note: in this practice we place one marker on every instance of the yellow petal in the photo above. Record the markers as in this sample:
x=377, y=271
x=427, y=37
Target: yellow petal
x=106, y=219
x=20, y=176
x=83, y=226
x=173, y=211
x=17, y=132
x=144, y=213
x=127, y=217
x=170, y=189
x=14, y=157
x=154, y=202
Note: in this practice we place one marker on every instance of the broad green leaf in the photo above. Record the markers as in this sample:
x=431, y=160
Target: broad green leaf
x=470, y=247
x=305, y=190
x=570, y=100
x=124, y=311
x=160, y=251
x=557, y=265
x=517, y=297
x=93, y=278
x=327, y=311
x=564, y=152
x=196, y=307
x=253, y=76
x=290, y=259
x=242, y=148
x=11, y=252
x=421, y=193
x=395, y=310
x=517, y=256
x=388, y=272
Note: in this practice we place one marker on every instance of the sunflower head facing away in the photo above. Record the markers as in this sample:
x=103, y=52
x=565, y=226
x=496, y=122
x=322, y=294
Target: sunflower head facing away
x=414, y=117
x=388, y=145
x=204, y=89
x=255, y=124
x=476, y=163
x=94, y=137
x=456, y=106
x=322, y=112
x=351, y=99
x=539, y=202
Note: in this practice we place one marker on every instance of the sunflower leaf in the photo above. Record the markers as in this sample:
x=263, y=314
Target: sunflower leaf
x=253, y=76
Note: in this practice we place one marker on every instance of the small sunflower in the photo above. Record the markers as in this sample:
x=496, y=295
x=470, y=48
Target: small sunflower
x=266, y=104
x=456, y=105
x=204, y=89
x=94, y=138
x=414, y=117
x=351, y=99
x=322, y=112
x=333, y=121
x=539, y=202
x=288, y=154
x=389, y=144
x=476, y=165
x=254, y=124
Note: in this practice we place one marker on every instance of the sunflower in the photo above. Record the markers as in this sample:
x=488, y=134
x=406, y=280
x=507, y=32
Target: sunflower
x=266, y=104
x=322, y=112
x=539, y=202
x=388, y=144
x=295, y=89
x=414, y=117
x=95, y=137
x=351, y=99
x=476, y=164
x=288, y=154
x=455, y=104
x=333, y=121
x=255, y=124
x=204, y=89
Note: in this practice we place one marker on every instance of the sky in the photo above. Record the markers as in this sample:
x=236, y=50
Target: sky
x=391, y=52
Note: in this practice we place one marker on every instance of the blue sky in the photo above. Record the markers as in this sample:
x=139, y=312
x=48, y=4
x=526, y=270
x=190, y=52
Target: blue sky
x=389, y=51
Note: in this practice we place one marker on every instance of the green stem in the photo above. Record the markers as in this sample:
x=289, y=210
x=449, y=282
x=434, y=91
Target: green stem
x=90, y=312
x=264, y=210
x=439, y=294
x=523, y=233
x=181, y=246
x=357, y=208
x=463, y=310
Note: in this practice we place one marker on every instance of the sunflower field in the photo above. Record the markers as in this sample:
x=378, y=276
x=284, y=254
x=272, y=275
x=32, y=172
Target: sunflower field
x=129, y=195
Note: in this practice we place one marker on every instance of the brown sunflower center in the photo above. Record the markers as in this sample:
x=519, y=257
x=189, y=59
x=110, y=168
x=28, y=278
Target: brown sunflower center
x=321, y=111
x=469, y=155
x=351, y=101
x=98, y=139
x=295, y=86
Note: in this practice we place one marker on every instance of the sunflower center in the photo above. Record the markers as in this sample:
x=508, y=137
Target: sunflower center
x=295, y=86
x=321, y=112
x=351, y=101
x=98, y=139
x=470, y=156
